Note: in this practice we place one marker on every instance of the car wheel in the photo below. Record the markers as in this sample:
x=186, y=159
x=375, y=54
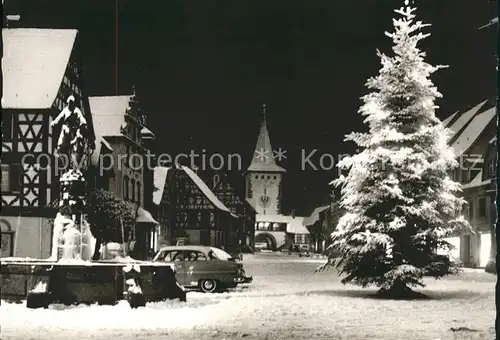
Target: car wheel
x=208, y=286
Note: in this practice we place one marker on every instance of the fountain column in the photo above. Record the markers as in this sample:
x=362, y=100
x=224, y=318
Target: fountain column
x=72, y=239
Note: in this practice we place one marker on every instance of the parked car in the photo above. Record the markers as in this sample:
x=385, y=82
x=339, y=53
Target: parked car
x=209, y=269
x=235, y=253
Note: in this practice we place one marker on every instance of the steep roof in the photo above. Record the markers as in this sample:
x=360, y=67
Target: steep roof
x=315, y=215
x=33, y=65
x=109, y=114
x=449, y=119
x=263, y=157
x=463, y=119
x=473, y=130
x=159, y=178
x=205, y=189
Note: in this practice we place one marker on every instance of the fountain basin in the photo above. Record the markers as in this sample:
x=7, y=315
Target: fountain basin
x=43, y=282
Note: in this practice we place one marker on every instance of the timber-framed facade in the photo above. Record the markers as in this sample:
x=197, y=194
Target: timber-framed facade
x=41, y=68
x=189, y=211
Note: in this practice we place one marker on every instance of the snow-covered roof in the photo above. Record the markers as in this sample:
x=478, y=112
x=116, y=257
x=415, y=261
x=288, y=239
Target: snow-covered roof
x=147, y=133
x=205, y=189
x=315, y=215
x=100, y=142
x=464, y=118
x=159, y=178
x=470, y=134
x=33, y=65
x=476, y=182
x=108, y=114
x=294, y=225
x=449, y=119
x=144, y=216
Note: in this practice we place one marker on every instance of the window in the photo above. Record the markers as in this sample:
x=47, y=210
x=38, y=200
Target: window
x=139, y=193
x=491, y=168
x=481, y=207
x=300, y=238
x=11, y=177
x=274, y=177
x=249, y=189
x=132, y=192
x=170, y=256
x=195, y=256
x=6, y=239
x=465, y=176
x=127, y=156
x=470, y=210
x=125, y=188
x=7, y=127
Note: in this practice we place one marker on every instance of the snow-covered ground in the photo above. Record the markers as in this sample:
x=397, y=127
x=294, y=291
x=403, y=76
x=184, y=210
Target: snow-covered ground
x=286, y=301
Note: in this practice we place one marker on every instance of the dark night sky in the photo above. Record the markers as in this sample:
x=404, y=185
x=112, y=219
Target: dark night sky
x=203, y=68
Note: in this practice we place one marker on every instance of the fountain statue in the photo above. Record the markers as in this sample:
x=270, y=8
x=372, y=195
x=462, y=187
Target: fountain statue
x=72, y=238
x=70, y=276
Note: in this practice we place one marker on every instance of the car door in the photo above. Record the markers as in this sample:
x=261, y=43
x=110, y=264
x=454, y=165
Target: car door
x=176, y=257
x=197, y=267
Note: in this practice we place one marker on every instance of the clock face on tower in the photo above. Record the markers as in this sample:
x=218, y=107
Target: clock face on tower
x=264, y=201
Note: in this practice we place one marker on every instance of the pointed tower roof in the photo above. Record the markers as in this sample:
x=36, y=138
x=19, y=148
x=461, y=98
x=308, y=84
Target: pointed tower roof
x=263, y=157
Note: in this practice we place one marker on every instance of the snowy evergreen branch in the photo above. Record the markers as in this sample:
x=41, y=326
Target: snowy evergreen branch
x=400, y=203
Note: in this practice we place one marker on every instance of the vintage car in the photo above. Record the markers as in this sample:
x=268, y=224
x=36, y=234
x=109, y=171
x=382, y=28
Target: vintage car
x=209, y=269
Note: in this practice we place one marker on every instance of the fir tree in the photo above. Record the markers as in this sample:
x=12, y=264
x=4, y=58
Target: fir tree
x=398, y=200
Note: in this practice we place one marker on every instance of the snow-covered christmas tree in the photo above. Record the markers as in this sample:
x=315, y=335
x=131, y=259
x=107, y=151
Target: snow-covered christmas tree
x=400, y=203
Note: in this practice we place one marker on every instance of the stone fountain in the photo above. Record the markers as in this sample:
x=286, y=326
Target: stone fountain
x=69, y=276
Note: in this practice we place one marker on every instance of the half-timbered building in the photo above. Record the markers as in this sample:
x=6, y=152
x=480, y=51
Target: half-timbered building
x=189, y=211
x=233, y=197
x=118, y=122
x=41, y=68
x=472, y=139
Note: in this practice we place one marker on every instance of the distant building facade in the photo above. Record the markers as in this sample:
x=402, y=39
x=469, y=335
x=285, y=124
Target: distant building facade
x=189, y=212
x=473, y=141
x=119, y=127
x=263, y=192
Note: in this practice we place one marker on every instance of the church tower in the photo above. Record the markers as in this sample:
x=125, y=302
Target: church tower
x=264, y=176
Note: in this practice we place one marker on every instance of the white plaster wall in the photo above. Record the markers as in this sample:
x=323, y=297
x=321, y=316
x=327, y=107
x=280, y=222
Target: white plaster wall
x=32, y=236
x=265, y=185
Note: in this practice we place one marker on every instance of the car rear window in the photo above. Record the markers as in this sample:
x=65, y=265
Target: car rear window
x=221, y=254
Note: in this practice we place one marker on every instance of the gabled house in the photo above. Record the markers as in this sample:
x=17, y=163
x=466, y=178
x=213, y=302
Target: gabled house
x=472, y=139
x=233, y=197
x=189, y=211
x=317, y=224
x=119, y=127
x=41, y=69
